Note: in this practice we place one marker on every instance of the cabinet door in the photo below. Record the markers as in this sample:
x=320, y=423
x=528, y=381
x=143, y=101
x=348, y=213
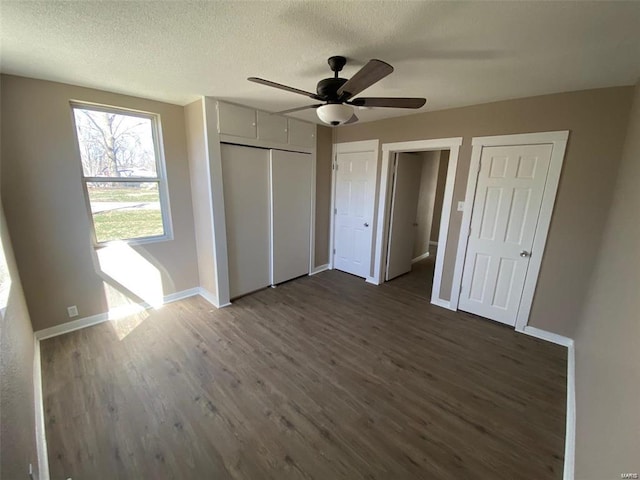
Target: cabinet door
x=291, y=176
x=272, y=127
x=302, y=133
x=236, y=120
x=245, y=176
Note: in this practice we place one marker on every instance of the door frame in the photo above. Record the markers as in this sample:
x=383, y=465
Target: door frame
x=558, y=140
x=352, y=147
x=384, y=211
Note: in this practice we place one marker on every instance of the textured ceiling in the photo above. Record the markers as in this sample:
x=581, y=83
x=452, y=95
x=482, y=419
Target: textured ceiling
x=453, y=53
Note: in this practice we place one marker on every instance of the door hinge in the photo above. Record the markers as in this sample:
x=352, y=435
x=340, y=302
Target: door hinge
x=335, y=166
x=335, y=211
x=334, y=251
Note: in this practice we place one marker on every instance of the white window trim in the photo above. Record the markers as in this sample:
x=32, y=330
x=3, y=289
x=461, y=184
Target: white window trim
x=160, y=178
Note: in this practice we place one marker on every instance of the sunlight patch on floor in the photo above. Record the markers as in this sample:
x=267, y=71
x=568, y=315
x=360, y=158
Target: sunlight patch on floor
x=136, y=286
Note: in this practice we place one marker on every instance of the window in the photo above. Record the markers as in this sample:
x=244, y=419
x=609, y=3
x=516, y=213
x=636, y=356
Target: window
x=123, y=173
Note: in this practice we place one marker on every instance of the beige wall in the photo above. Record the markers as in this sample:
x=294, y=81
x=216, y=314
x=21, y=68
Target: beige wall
x=45, y=206
x=597, y=120
x=17, y=421
x=437, y=207
x=323, y=194
x=606, y=343
x=201, y=194
x=426, y=201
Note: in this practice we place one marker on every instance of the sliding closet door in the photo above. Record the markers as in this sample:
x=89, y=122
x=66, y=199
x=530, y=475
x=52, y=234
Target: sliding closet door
x=291, y=177
x=245, y=177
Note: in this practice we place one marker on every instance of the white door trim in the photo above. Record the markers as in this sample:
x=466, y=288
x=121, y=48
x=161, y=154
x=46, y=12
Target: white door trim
x=350, y=147
x=312, y=226
x=219, y=226
x=559, y=141
x=384, y=205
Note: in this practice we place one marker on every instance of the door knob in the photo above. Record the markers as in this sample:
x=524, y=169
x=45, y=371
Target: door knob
x=366, y=224
x=525, y=254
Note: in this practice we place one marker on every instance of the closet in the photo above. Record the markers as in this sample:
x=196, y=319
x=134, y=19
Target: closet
x=267, y=203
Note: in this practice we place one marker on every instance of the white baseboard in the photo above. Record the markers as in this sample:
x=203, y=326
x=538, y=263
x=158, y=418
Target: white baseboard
x=41, y=439
x=319, y=269
x=372, y=280
x=181, y=295
x=112, y=314
x=570, y=435
x=442, y=303
x=71, y=326
x=548, y=336
x=211, y=298
x=420, y=257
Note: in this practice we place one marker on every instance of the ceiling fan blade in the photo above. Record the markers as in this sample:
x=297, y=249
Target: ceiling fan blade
x=392, y=102
x=269, y=83
x=353, y=119
x=372, y=72
x=291, y=110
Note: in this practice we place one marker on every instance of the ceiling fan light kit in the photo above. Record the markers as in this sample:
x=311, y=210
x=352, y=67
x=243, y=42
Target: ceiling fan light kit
x=335, y=113
x=337, y=93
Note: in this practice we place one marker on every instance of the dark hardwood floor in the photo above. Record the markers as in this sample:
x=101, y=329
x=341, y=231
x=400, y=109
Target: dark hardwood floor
x=419, y=281
x=324, y=378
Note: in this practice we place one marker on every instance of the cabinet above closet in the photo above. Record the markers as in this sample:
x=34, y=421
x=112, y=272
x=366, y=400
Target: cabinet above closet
x=245, y=123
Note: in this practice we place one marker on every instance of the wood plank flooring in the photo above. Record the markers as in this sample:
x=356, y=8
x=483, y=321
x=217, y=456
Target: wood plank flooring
x=420, y=281
x=324, y=377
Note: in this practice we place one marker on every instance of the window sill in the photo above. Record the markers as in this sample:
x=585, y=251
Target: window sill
x=135, y=241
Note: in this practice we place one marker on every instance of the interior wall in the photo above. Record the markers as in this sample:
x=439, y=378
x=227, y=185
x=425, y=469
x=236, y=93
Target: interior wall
x=17, y=420
x=597, y=120
x=440, y=185
x=426, y=201
x=606, y=343
x=323, y=194
x=201, y=194
x=45, y=205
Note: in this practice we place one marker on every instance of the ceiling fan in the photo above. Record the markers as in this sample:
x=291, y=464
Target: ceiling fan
x=337, y=93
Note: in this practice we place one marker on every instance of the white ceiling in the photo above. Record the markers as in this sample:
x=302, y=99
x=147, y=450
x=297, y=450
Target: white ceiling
x=453, y=53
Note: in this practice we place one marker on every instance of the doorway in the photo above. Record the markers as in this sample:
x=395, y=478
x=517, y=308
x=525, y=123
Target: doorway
x=440, y=293
x=417, y=195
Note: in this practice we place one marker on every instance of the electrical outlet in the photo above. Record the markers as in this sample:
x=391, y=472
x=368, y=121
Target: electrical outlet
x=72, y=311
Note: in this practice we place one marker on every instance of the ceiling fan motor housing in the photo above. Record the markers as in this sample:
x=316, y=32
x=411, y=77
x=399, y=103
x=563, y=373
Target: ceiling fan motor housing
x=328, y=88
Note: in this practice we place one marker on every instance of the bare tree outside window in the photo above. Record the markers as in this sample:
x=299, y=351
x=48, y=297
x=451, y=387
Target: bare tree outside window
x=120, y=167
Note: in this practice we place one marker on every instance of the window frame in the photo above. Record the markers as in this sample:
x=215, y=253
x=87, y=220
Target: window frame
x=160, y=178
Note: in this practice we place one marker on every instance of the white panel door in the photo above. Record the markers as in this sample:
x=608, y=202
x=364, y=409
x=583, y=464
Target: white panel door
x=505, y=213
x=245, y=178
x=291, y=176
x=404, y=207
x=354, y=204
